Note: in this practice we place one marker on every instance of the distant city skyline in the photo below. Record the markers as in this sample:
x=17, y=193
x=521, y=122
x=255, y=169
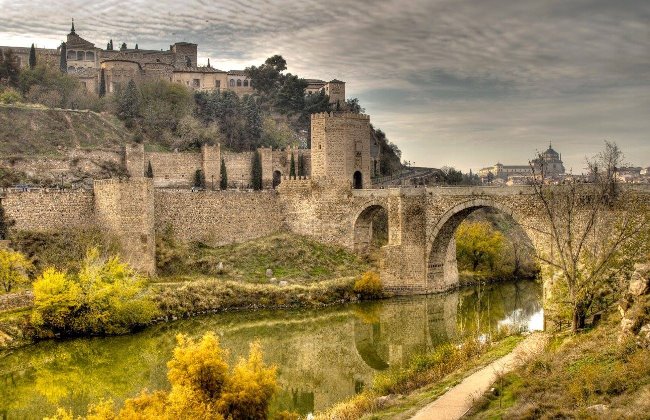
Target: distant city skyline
x=456, y=83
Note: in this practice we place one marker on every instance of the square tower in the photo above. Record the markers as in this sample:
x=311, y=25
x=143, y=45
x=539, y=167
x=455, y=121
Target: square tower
x=340, y=148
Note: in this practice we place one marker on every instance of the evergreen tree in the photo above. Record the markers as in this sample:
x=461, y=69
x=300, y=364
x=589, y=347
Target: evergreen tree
x=301, y=165
x=63, y=59
x=129, y=102
x=223, y=184
x=102, y=83
x=5, y=222
x=32, y=57
x=109, y=45
x=292, y=168
x=149, y=173
x=199, y=179
x=123, y=47
x=253, y=116
x=136, y=46
x=256, y=171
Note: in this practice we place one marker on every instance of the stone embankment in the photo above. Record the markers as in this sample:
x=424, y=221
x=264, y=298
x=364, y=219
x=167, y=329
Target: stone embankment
x=19, y=300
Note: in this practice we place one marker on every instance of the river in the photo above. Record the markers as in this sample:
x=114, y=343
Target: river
x=323, y=355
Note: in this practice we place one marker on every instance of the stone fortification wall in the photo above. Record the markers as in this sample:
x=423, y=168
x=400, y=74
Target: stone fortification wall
x=124, y=210
x=218, y=217
x=49, y=210
x=173, y=169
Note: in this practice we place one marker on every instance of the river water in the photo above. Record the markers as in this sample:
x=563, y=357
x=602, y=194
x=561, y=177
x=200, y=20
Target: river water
x=323, y=355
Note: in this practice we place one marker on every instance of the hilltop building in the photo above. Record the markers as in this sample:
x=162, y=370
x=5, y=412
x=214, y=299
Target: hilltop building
x=178, y=64
x=549, y=163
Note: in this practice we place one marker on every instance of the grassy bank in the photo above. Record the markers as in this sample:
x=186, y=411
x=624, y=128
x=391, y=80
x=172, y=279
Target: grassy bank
x=400, y=392
x=589, y=375
x=290, y=257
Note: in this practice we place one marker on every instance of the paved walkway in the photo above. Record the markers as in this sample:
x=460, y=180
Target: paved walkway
x=456, y=402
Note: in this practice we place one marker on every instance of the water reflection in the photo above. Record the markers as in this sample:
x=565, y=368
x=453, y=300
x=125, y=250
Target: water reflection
x=323, y=356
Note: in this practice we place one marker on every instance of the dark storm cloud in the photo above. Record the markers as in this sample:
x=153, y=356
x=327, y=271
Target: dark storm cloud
x=455, y=82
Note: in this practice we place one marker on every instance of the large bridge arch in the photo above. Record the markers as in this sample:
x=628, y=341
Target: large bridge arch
x=441, y=269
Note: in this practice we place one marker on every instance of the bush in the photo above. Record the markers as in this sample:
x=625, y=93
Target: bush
x=369, y=286
x=202, y=386
x=104, y=297
x=14, y=269
x=10, y=96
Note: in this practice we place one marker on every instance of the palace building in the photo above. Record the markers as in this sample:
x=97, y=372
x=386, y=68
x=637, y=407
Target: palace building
x=549, y=163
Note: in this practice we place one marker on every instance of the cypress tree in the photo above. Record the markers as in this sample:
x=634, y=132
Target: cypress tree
x=292, y=168
x=223, y=184
x=32, y=57
x=5, y=222
x=102, y=83
x=301, y=165
x=199, y=179
x=149, y=173
x=136, y=46
x=256, y=171
x=129, y=103
x=63, y=60
x=123, y=47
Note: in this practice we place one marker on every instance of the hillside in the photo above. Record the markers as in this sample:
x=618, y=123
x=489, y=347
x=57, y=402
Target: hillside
x=39, y=131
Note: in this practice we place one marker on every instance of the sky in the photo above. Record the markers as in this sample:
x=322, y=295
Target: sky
x=452, y=82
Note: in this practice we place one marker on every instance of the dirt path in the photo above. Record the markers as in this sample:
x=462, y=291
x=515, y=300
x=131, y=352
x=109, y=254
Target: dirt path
x=458, y=400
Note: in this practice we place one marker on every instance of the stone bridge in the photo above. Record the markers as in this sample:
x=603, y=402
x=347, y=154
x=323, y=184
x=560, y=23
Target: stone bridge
x=420, y=256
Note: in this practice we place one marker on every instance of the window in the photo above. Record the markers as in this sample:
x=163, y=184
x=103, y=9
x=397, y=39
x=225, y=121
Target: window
x=217, y=83
x=84, y=85
x=238, y=82
x=80, y=55
x=246, y=83
x=196, y=83
x=232, y=82
x=72, y=54
x=90, y=56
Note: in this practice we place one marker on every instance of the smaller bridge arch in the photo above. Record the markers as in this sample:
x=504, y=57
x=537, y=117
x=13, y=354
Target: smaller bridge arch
x=363, y=226
x=442, y=271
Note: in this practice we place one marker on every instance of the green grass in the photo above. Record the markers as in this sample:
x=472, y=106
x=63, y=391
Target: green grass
x=291, y=257
x=573, y=374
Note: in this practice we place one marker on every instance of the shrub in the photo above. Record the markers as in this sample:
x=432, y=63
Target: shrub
x=14, y=269
x=10, y=96
x=104, y=297
x=369, y=286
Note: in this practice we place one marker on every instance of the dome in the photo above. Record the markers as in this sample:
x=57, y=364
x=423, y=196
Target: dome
x=550, y=153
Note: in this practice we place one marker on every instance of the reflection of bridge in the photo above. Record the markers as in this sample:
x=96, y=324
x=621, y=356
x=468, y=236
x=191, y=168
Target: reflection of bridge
x=420, y=255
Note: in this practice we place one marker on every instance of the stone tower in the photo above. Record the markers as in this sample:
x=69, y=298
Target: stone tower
x=340, y=148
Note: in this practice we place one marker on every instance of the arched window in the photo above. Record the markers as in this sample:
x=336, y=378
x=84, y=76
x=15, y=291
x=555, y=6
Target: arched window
x=72, y=54
x=246, y=83
x=238, y=82
x=80, y=55
x=90, y=56
x=232, y=82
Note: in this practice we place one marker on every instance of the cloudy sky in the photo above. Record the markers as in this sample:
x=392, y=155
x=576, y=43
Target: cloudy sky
x=452, y=82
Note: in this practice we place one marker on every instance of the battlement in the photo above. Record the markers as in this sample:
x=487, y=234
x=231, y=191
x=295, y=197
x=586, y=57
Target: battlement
x=339, y=114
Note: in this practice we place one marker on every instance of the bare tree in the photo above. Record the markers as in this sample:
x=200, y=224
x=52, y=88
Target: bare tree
x=594, y=233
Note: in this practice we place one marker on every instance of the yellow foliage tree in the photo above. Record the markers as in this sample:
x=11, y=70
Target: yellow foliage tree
x=369, y=285
x=104, y=297
x=14, y=268
x=478, y=245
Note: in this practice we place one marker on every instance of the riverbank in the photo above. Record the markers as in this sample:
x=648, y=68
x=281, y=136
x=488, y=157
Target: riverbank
x=588, y=375
x=402, y=392
x=191, y=296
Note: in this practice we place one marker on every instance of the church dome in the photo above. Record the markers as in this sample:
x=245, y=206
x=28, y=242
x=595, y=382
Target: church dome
x=550, y=154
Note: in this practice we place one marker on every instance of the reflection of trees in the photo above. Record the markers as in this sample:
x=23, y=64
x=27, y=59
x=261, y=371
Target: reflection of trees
x=483, y=307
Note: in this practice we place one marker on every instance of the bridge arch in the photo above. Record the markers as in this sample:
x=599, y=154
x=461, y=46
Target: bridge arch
x=442, y=271
x=363, y=226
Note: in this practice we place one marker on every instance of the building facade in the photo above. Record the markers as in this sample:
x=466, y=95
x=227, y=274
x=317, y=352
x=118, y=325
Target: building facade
x=548, y=163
